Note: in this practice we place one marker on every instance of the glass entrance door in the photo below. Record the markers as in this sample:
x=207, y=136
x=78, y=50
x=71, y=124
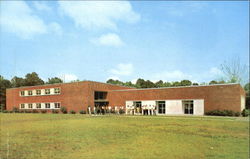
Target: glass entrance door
x=161, y=107
x=188, y=107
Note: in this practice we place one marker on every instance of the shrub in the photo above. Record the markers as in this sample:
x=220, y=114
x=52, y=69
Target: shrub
x=82, y=112
x=245, y=112
x=64, y=110
x=72, y=112
x=21, y=111
x=43, y=111
x=5, y=111
x=55, y=111
x=27, y=111
x=237, y=114
x=35, y=111
x=10, y=111
x=15, y=110
x=222, y=113
x=121, y=111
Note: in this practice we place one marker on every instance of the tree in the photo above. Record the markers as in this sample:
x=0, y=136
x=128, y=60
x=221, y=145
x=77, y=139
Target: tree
x=17, y=82
x=195, y=84
x=4, y=83
x=234, y=71
x=159, y=83
x=247, y=90
x=32, y=79
x=54, y=80
x=140, y=83
x=213, y=82
x=176, y=83
x=185, y=83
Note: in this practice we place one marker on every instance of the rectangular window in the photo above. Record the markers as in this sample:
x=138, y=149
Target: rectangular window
x=22, y=106
x=57, y=105
x=100, y=95
x=188, y=107
x=22, y=93
x=47, y=105
x=47, y=91
x=161, y=107
x=38, y=105
x=30, y=93
x=38, y=92
x=57, y=90
x=30, y=106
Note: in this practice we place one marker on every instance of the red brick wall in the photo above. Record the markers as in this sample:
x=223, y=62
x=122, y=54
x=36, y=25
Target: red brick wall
x=215, y=97
x=75, y=96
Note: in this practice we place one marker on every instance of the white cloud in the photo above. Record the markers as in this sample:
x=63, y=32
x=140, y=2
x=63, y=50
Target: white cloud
x=41, y=6
x=98, y=14
x=175, y=75
x=215, y=71
x=123, y=69
x=109, y=39
x=18, y=18
x=68, y=77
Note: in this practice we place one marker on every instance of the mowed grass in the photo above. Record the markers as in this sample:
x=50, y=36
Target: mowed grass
x=61, y=136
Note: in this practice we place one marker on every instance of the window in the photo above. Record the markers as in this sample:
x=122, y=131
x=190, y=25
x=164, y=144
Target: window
x=57, y=105
x=30, y=106
x=22, y=106
x=38, y=105
x=100, y=95
x=47, y=91
x=22, y=93
x=38, y=92
x=30, y=93
x=161, y=107
x=47, y=105
x=188, y=107
x=57, y=90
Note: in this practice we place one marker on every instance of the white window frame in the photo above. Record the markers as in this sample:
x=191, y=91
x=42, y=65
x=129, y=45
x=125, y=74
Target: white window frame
x=37, y=91
x=47, y=91
x=46, y=105
x=22, y=92
x=57, y=90
x=38, y=104
x=30, y=94
x=30, y=104
x=57, y=105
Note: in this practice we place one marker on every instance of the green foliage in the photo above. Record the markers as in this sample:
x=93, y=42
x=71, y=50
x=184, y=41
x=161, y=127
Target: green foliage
x=195, y=84
x=27, y=111
x=43, y=111
x=64, y=110
x=185, y=83
x=15, y=110
x=35, y=111
x=32, y=79
x=5, y=111
x=222, y=113
x=54, y=111
x=17, y=82
x=245, y=112
x=72, y=112
x=82, y=112
x=216, y=82
x=54, y=80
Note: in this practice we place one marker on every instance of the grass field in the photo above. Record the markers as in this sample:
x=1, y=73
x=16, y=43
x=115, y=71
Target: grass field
x=61, y=136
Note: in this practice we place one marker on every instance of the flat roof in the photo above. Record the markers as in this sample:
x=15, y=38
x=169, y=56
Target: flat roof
x=68, y=83
x=136, y=89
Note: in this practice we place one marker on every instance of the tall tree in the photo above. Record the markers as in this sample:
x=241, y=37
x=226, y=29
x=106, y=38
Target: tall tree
x=185, y=83
x=32, y=79
x=4, y=83
x=17, y=82
x=247, y=90
x=234, y=71
x=54, y=80
x=159, y=83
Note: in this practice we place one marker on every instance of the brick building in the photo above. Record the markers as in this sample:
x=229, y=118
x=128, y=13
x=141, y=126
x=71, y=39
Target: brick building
x=172, y=100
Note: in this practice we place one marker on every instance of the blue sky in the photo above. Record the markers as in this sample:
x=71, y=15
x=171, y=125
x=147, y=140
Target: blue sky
x=122, y=40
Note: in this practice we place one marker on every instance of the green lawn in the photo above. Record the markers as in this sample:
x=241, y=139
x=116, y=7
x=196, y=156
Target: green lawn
x=61, y=136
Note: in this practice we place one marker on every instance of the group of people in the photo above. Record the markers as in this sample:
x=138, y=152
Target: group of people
x=143, y=110
x=106, y=110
